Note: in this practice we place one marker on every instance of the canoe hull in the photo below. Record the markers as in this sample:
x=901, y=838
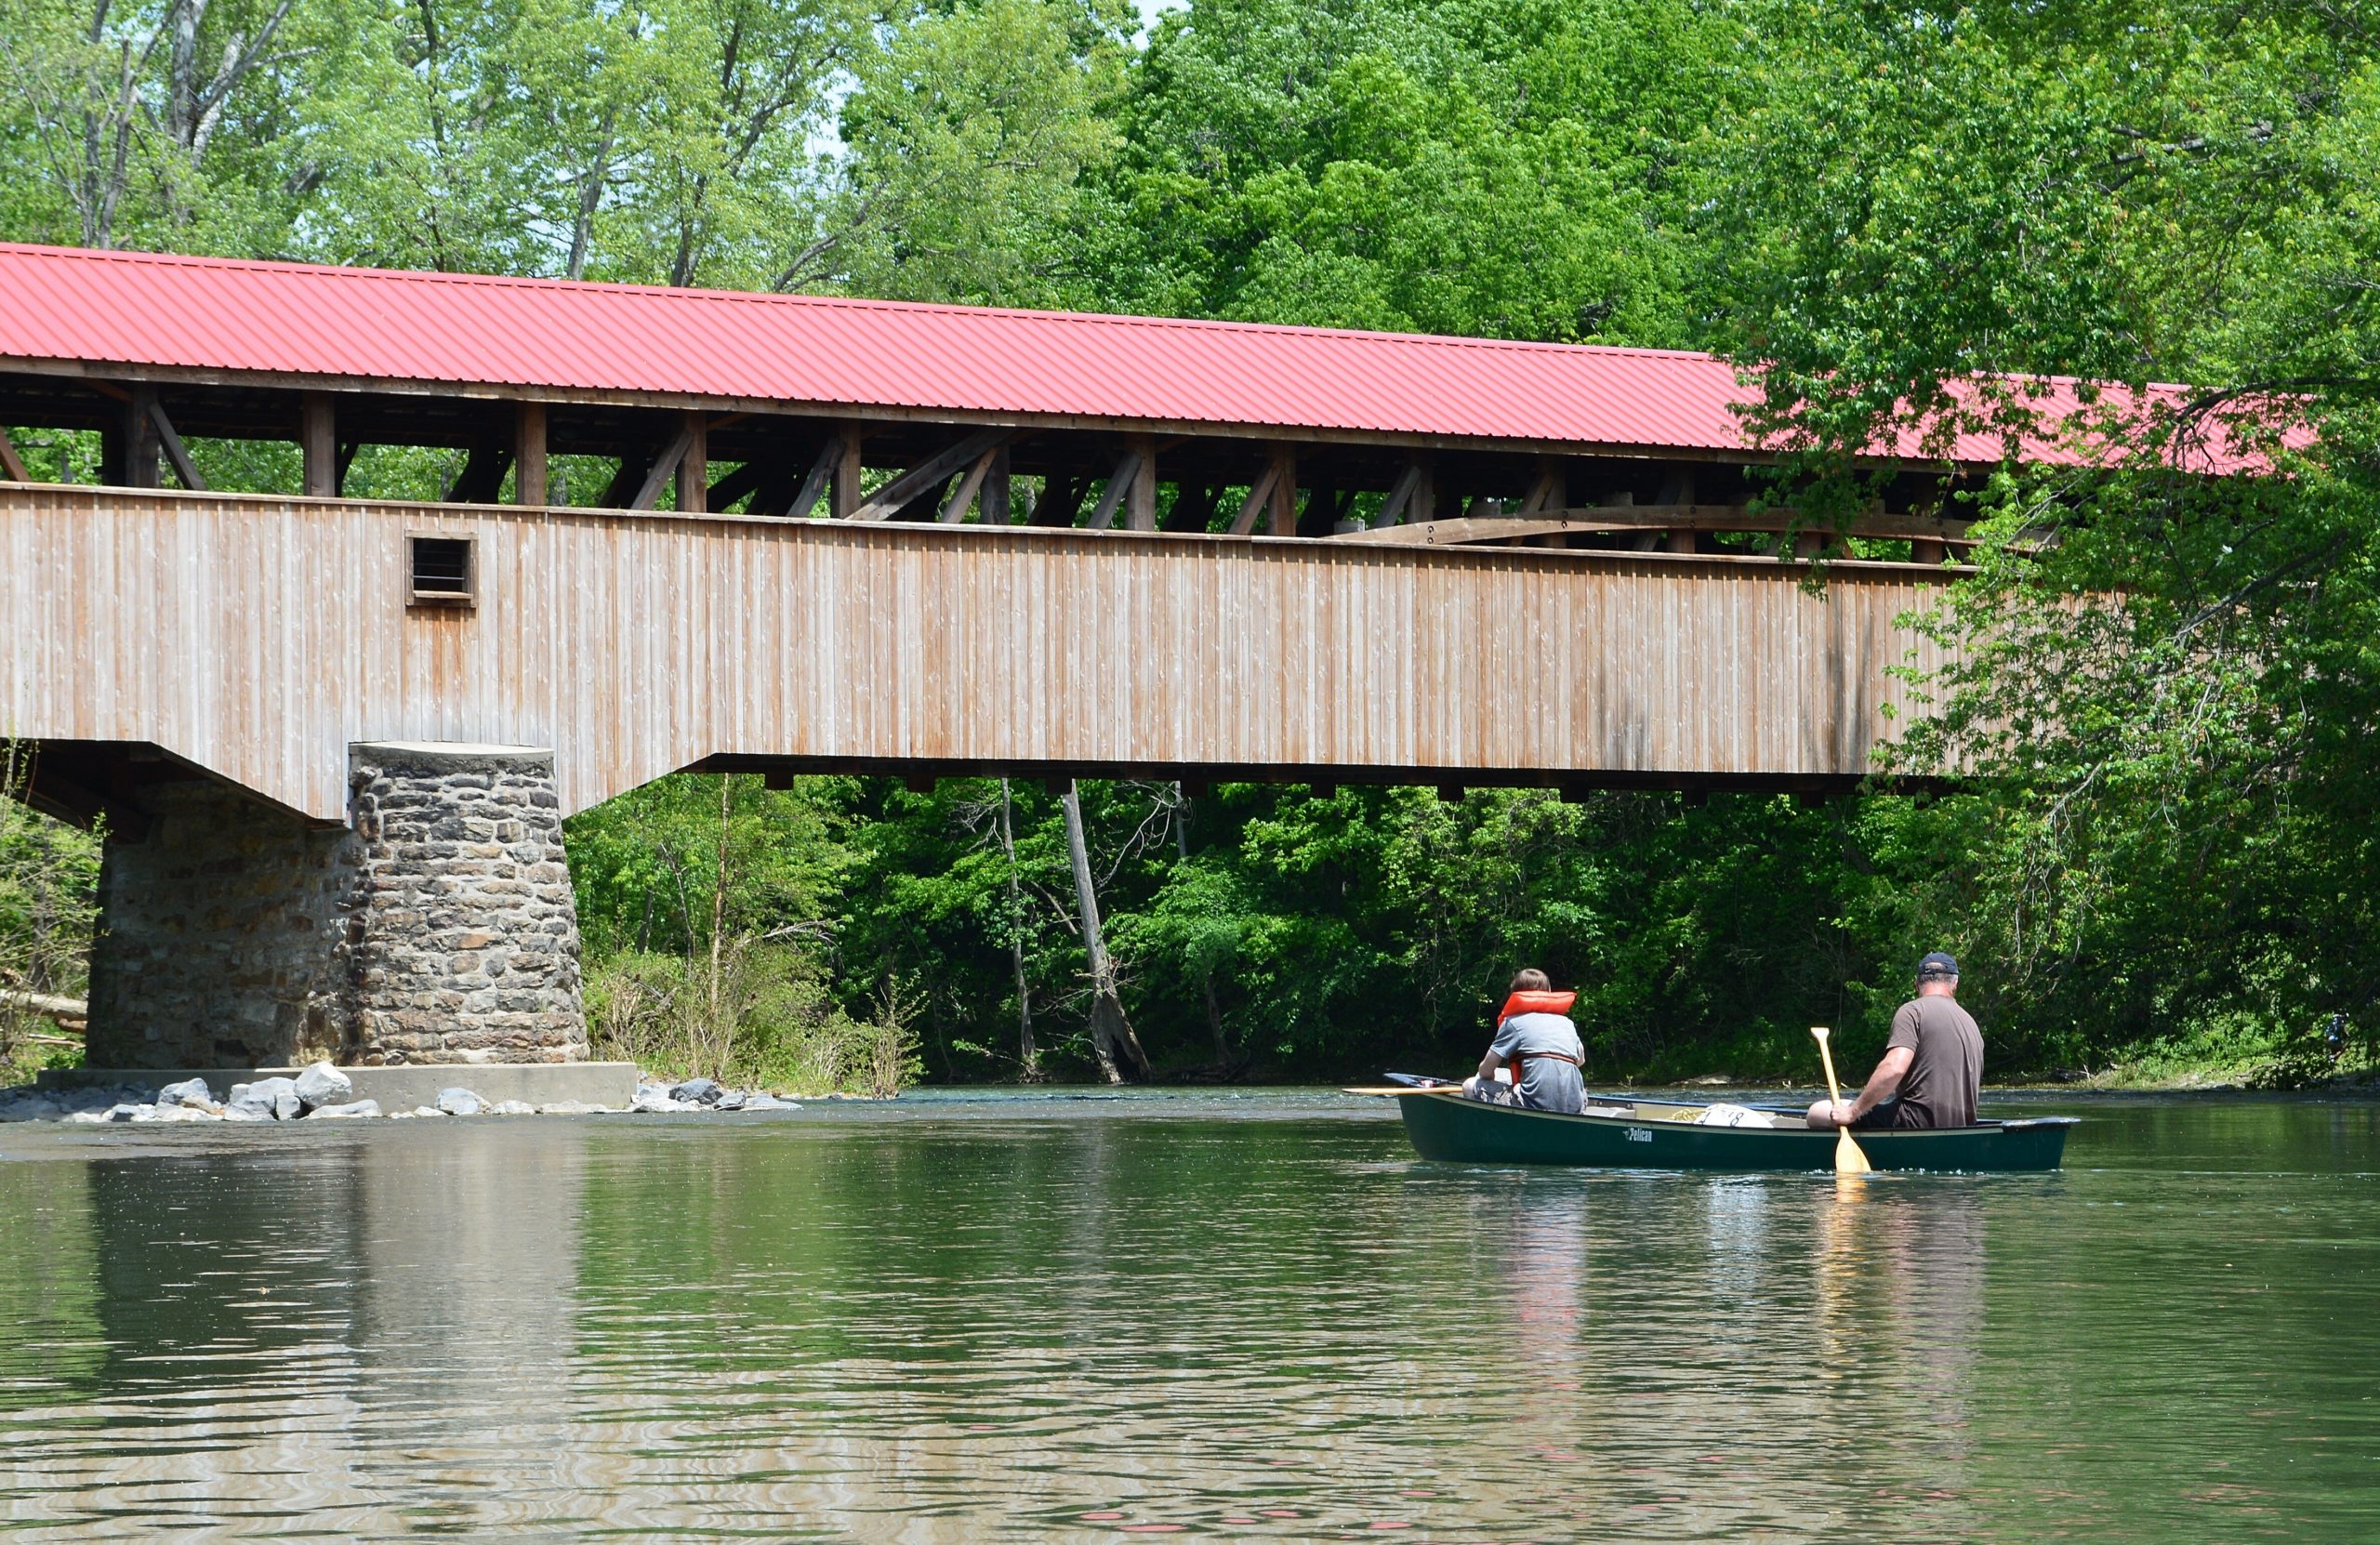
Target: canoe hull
x=1447, y=1127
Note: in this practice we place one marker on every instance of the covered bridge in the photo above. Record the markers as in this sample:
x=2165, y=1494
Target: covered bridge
x=691, y=529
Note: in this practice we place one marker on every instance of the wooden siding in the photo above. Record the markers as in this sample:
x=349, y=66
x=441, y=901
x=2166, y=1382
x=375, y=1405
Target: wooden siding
x=258, y=636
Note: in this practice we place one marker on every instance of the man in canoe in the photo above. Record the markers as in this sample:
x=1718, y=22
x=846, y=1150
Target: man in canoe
x=1536, y=1039
x=1933, y=1063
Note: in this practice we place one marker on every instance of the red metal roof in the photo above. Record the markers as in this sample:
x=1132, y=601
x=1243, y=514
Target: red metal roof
x=137, y=309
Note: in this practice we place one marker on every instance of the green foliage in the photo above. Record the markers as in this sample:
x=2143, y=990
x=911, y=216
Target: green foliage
x=1272, y=930
x=771, y=1021
x=1506, y=168
x=49, y=877
x=702, y=904
x=2167, y=688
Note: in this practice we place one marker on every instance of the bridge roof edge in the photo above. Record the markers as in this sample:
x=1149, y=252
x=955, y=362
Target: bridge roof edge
x=143, y=311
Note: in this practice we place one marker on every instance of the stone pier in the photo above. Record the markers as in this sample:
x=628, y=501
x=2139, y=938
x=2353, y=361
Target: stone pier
x=437, y=927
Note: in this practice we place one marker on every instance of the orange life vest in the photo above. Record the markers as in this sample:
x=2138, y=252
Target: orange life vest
x=1535, y=1003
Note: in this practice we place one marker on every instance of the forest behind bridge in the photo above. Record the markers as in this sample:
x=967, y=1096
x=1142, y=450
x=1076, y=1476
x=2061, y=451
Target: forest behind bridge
x=2165, y=852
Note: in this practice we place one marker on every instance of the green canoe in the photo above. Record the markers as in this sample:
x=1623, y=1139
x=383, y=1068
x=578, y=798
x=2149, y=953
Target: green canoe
x=1661, y=1134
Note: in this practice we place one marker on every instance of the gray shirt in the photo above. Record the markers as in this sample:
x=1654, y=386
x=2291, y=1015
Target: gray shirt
x=1546, y=1083
x=1946, y=1064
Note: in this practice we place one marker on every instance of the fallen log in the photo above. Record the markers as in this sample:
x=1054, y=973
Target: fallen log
x=45, y=1004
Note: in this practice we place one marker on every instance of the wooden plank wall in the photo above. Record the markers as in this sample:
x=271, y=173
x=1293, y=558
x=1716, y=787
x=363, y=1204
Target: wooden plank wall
x=258, y=636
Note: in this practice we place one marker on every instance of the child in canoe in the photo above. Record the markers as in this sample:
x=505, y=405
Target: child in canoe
x=1537, y=1041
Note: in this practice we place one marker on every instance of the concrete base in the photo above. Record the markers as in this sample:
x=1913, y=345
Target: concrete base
x=401, y=1089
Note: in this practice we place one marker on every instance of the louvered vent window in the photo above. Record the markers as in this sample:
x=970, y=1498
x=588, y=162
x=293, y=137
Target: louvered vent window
x=442, y=571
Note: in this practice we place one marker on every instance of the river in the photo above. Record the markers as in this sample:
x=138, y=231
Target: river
x=1248, y=1316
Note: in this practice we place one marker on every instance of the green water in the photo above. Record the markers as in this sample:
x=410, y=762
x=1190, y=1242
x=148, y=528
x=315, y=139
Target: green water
x=1246, y=1317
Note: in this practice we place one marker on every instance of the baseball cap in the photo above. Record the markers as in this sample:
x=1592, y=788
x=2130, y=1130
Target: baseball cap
x=1938, y=964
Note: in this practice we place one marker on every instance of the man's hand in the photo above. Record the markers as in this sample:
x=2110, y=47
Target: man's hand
x=1842, y=1113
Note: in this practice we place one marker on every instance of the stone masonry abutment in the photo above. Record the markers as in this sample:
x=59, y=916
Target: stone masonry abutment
x=438, y=926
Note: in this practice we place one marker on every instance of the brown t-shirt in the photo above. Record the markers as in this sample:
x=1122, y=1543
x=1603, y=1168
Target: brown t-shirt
x=1939, y=1087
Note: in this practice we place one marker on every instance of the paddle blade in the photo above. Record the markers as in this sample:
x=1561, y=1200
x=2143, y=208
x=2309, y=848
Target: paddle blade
x=1848, y=1159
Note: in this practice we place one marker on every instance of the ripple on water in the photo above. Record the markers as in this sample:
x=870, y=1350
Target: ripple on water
x=1256, y=1317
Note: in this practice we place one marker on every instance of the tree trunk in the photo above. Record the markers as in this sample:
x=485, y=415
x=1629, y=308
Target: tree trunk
x=590, y=197
x=1206, y=976
x=1112, y=1040
x=1028, y=1055
x=181, y=71
x=717, y=1037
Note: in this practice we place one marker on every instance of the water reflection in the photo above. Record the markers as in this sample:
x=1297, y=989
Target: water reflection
x=1065, y=1322
x=341, y=1327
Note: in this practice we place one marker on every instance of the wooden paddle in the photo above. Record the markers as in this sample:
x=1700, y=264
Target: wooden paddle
x=1848, y=1159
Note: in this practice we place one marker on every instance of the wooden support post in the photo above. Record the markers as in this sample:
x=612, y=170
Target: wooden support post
x=10, y=462
x=844, y=475
x=920, y=481
x=1120, y=482
x=664, y=466
x=1928, y=549
x=1679, y=490
x=1646, y=539
x=130, y=448
x=1140, y=497
x=620, y=493
x=693, y=464
x=317, y=442
x=1548, y=490
x=1283, y=519
x=529, y=453
x=1327, y=505
x=962, y=498
x=751, y=478
x=818, y=484
x=993, y=503
x=1809, y=544
x=1194, y=507
x=482, y=478
x=171, y=444
x=1409, y=498
x=1061, y=499
x=1258, y=500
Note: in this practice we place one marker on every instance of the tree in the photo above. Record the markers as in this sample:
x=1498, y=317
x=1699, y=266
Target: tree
x=2167, y=687
x=1507, y=169
x=967, y=138
x=117, y=111
x=1112, y=1040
